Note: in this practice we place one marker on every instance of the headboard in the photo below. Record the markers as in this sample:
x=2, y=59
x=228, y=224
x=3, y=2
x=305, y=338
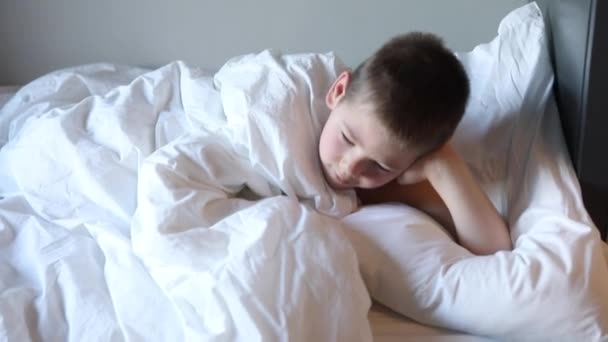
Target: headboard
x=579, y=48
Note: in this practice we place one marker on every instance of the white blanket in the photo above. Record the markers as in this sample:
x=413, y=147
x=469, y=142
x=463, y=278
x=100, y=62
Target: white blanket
x=175, y=205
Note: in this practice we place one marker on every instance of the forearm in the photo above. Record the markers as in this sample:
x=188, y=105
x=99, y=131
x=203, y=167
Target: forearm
x=479, y=227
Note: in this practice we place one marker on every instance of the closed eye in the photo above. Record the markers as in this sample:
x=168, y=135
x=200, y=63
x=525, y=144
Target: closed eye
x=381, y=168
x=348, y=141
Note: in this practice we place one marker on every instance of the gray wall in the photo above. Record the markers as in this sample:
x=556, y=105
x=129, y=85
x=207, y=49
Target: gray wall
x=37, y=36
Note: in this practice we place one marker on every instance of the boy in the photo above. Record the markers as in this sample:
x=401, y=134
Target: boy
x=387, y=136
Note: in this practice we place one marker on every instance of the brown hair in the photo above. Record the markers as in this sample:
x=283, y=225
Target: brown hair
x=418, y=88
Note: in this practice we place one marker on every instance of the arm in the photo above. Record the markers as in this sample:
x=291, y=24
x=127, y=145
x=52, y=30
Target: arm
x=420, y=195
x=442, y=186
x=479, y=226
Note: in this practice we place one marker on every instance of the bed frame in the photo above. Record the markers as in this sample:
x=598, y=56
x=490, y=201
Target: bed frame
x=579, y=49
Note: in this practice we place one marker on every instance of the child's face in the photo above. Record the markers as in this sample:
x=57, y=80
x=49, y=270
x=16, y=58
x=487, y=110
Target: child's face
x=356, y=150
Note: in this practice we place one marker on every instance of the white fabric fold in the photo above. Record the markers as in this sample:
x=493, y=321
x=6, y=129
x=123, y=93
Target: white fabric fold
x=199, y=194
x=553, y=285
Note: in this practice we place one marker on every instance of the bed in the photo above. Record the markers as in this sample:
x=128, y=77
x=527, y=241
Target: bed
x=577, y=90
x=62, y=274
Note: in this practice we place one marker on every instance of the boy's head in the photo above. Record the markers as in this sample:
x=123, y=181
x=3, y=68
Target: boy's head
x=402, y=103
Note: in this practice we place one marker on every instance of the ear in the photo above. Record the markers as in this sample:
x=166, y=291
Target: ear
x=337, y=90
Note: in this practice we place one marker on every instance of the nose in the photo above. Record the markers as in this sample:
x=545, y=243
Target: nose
x=352, y=166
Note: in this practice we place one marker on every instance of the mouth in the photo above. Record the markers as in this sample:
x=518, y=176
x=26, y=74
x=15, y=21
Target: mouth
x=340, y=182
x=334, y=179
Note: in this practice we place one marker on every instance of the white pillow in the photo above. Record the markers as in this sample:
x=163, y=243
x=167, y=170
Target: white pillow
x=553, y=285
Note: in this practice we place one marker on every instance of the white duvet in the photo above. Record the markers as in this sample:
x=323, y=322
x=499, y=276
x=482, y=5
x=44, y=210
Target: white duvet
x=172, y=204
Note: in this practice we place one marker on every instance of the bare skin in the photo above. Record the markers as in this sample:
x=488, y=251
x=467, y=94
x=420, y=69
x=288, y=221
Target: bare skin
x=442, y=186
x=357, y=151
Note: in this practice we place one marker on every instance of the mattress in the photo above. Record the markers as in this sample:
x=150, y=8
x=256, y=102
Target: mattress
x=389, y=326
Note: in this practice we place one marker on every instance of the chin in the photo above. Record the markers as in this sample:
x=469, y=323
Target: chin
x=372, y=186
x=342, y=187
x=337, y=185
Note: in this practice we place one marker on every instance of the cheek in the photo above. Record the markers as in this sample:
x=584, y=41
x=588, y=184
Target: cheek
x=330, y=148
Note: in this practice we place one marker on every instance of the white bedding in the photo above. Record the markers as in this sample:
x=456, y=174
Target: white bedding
x=194, y=261
x=170, y=204
x=6, y=92
x=553, y=286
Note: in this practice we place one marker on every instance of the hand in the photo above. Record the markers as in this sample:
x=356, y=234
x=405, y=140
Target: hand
x=415, y=173
x=419, y=171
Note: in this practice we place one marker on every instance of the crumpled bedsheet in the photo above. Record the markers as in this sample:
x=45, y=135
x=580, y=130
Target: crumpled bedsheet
x=173, y=204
